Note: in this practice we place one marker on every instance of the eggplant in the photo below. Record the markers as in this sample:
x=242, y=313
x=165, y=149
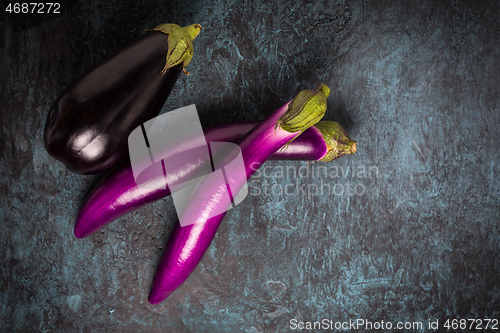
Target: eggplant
x=118, y=194
x=88, y=125
x=187, y=244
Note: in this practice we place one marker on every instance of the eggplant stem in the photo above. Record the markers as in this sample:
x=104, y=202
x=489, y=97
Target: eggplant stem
x=305, y=110
x=180, y=44
x=337, y=139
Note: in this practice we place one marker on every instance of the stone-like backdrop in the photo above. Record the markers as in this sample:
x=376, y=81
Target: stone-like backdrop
x=416, y=83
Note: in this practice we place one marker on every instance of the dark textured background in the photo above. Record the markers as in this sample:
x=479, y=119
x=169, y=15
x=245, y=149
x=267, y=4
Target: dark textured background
x=416, y=83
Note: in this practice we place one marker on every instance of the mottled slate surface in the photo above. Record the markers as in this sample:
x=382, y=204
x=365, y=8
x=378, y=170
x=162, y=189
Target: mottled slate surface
x=415, y=82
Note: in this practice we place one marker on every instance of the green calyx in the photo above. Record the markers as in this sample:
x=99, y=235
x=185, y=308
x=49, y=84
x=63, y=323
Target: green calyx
x=180, y=44
x=337, y=140
x=305, y=110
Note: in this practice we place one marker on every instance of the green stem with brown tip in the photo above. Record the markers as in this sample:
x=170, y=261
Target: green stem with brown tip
x=337, y=140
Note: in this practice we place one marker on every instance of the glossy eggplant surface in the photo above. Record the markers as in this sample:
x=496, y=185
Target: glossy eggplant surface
x=88, y=125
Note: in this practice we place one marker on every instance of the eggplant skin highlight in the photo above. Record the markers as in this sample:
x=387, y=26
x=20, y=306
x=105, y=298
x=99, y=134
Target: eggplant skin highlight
x=118, y=194
x=188, y=244
x=88, y=125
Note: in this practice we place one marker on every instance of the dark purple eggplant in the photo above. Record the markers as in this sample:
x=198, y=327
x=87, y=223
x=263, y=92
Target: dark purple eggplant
x=88, y=125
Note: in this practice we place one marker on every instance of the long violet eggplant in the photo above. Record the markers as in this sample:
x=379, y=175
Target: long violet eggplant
x=187, y=245
x=88, y=125
x=118, y=194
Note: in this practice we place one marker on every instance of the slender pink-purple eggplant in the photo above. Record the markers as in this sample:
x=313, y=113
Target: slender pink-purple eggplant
x=187, y=245
x=118, y=194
